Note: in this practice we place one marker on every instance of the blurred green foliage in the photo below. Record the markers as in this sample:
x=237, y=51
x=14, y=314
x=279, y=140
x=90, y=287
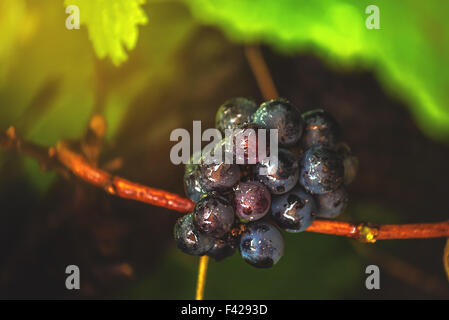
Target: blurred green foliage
x=409, y=52
x=409, y=57
x=50, y=78
x=47, y=77
x=111, y=25
x=11, y=12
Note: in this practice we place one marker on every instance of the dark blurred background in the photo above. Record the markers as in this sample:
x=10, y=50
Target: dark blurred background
x=51, y=82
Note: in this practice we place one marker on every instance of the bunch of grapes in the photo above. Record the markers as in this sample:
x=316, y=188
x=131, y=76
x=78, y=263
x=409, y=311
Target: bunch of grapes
x=239, y=205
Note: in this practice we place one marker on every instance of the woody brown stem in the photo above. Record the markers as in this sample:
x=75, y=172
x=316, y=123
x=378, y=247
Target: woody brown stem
x=64, y=160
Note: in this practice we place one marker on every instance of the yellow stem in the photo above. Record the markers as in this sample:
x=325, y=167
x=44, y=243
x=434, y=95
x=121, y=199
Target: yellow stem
x=201, y=282
x=268, y=89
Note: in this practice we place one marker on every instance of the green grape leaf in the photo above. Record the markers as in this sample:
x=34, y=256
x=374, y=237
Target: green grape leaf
x=112, y=25
x=409, y=52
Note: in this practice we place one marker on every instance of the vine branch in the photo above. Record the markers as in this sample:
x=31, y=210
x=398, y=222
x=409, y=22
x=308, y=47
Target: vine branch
x=368, y=232
x=64, y=160
x=261, y=72
x=119, y=186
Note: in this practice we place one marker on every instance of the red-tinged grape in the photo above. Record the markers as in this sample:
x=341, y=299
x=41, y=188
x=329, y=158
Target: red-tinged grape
x=252, y=201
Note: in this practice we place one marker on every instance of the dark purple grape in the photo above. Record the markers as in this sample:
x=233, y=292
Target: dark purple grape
x=218, y=173
x=221, y=250
x=213, y=215
x=320, y=128
x=350, y=162
x=281, y=115
x=189, y=240
x=246, y=143
x=322, y=170
x=218, y=177
x=192, y=185
x=331, y=204
x=252, y=201
x=234, y=113
x=278, y=178
x=261, y=245
x=294, y=211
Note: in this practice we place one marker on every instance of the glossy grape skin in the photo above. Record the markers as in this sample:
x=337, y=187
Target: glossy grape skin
x=320, y=128
x=261, y=245
x=252, y=201
x=280, y=114
x=218, y=176
x=294, y=211
x=282, y=178
x=221, y=250
x=213, y=215
x=234, y=113
x=189, y=240
x=192, y=185
x=332, y=204
x=322, y=170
